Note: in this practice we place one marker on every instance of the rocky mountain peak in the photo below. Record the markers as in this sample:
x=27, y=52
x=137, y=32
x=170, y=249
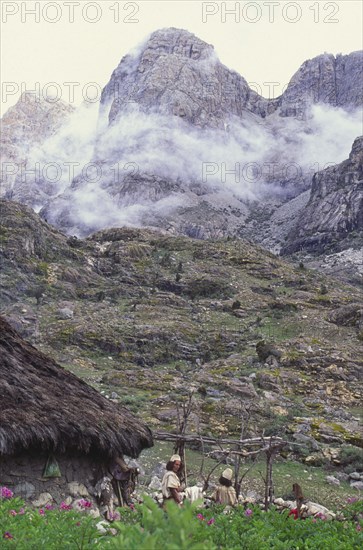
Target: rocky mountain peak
x=176, y=73
x=31, y=121
x=180, y=42
x=33, y=117
x=182, y=143
x=325, y=79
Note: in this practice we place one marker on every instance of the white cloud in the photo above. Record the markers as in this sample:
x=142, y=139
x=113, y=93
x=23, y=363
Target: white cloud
x=141, y=158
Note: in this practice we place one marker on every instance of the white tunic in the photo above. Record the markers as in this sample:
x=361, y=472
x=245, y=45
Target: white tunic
x=170, y=481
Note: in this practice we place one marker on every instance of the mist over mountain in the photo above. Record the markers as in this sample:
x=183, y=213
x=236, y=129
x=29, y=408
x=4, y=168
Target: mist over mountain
x=24, y=129
x=182, y=143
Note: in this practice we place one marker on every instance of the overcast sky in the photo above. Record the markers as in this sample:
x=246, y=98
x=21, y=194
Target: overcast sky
x=82, y=41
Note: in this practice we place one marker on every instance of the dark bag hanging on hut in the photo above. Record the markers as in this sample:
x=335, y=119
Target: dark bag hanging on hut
x=51, y=468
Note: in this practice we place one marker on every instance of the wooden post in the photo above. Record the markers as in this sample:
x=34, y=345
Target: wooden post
x=268, y=480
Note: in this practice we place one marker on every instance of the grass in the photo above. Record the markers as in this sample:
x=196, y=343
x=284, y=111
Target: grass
x=279, y=330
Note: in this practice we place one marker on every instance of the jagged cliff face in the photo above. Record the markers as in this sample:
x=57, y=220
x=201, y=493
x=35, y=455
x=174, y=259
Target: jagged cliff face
x=178, y=74
x=335, y=207
x=182, y=143
x=325, y=79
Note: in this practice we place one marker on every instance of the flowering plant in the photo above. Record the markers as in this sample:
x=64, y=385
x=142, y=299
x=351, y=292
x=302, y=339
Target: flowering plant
x=48, y=527
x=64, y=506
x=85, y=503
x=6, y=493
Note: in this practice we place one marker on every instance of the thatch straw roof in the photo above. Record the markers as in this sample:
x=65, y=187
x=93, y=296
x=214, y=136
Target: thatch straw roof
x=43, y=406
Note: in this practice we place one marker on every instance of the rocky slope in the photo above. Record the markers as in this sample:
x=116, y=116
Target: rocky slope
x=331, y=223
x=165, y=316
x=335, y=207
x=182, y=143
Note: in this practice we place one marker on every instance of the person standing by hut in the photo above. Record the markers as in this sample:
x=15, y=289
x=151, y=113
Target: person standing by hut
x=225, y=493
x=171, y=485
x=124, y=478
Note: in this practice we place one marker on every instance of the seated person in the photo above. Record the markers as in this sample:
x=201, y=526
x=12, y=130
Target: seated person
x=225, y=493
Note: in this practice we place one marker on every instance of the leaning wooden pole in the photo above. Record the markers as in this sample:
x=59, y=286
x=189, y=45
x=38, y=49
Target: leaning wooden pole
x=268, y=480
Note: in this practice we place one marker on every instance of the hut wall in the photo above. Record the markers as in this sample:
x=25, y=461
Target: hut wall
x=23, y=474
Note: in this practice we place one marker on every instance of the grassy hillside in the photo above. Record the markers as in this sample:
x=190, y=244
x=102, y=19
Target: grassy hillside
x=147, y=317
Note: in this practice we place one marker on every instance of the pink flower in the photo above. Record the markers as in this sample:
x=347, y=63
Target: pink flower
x=21, y=512
x=64, y=506
x=248, y=512
x=7, y=535
x=132, y=507
x=13, y=512
x=351, y=500
x=85, y=503
x=49, y=507
x=211, y=521
x=359, y=527
x=6, y=493
x=321, y=516
x=116, y=516
x=200, y=516
x=42, y=512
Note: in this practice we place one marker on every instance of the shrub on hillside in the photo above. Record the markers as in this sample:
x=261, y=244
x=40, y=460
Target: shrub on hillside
x=351, y=458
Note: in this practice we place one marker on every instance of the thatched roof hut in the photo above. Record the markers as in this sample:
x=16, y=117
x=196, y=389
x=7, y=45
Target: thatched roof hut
x=45, y=408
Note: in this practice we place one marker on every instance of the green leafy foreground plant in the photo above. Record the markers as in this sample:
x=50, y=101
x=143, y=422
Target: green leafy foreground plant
x=48, y=528
x=173, y=529
x=148, y=527
x=275, y=530
x=251, y=529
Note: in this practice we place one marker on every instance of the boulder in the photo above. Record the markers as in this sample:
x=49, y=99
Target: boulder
x=42, y=500
x=159, y=469
x=266, y=349
x=316, y=510
x=103, y=527
x=355, y=476
x=315, y=459
x=332, y=480
x=268, y=382
x=347, y=316
x=24, y=489
x=357, y=485
x=155, y=484
x=252, y=497
x=281, y=503
x=65, y=313
x=342, y=476
x=77, y=489
x=307, y=440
